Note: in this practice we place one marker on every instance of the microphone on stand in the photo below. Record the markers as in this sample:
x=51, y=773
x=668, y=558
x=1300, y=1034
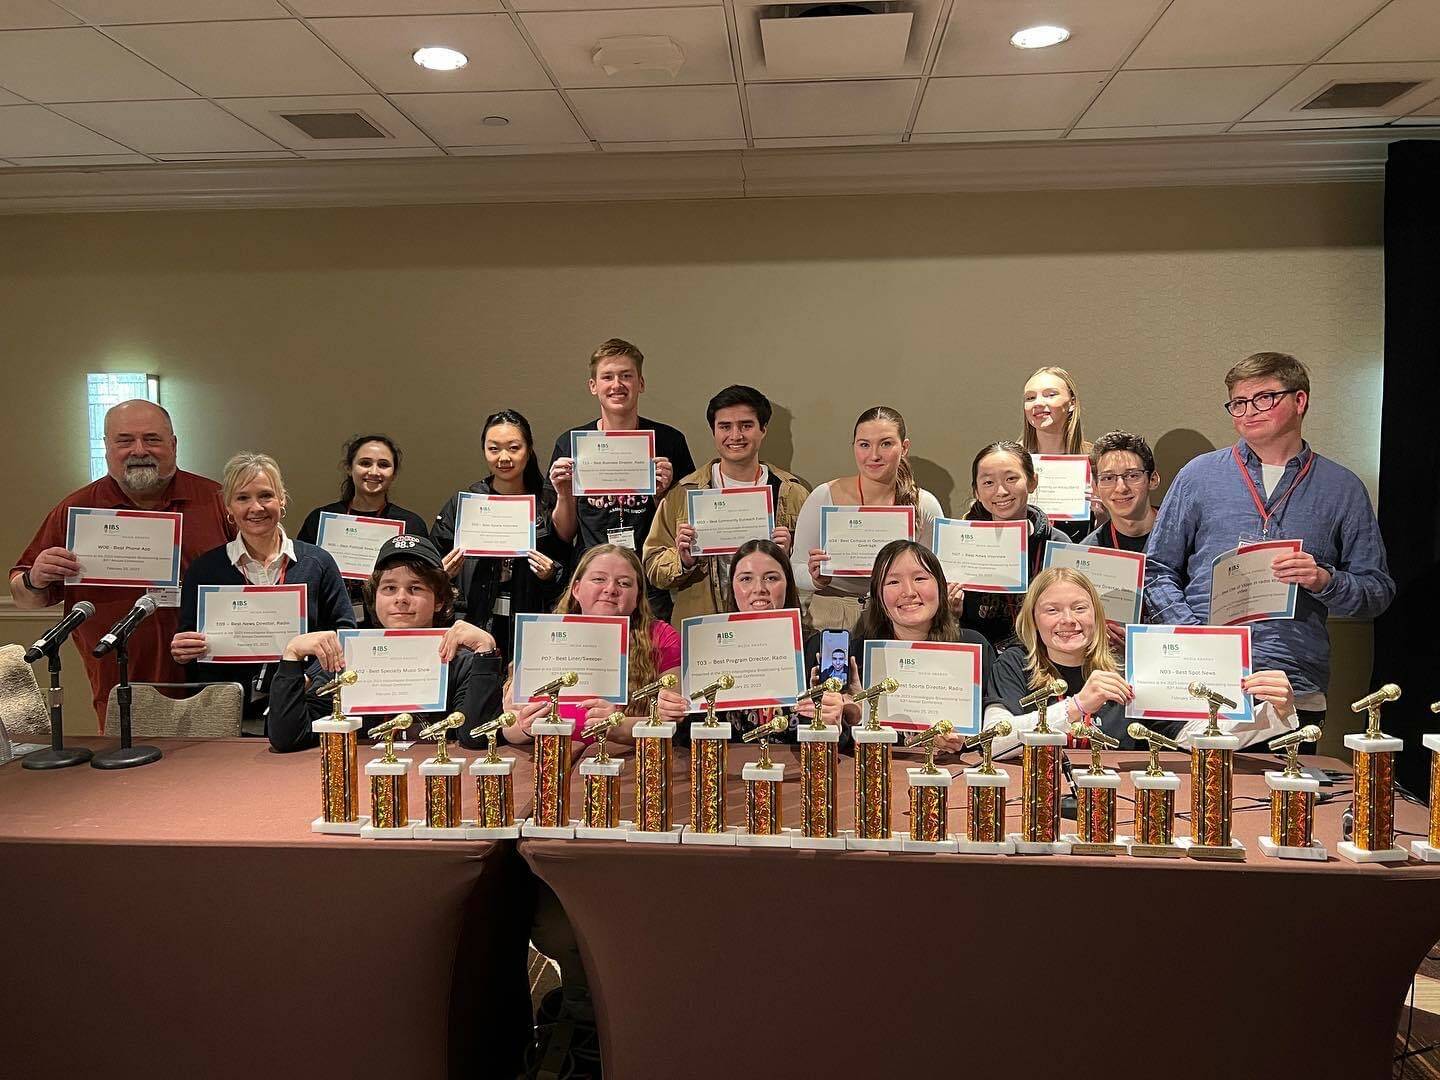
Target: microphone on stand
x=56, y=635
x=143, y=609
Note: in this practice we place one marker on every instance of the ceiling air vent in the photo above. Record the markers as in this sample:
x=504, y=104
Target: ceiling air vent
x=335, y=125
x=833, y=40
x=1359, y=95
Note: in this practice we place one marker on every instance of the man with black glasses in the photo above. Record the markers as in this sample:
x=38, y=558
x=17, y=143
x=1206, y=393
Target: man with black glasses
x=1125, y=477
x=1271, y=485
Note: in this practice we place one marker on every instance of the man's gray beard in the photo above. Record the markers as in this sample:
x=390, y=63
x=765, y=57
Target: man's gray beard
x=143, y=479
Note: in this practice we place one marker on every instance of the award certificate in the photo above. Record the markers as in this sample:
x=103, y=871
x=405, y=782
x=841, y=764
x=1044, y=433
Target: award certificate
x=595, y=647
x=725, y=518
x=1065, y=488
x=1118, y=576
x=124, y=547
x=400, y=670
x=355, y=541
x=984, y=556
x=249, y=624
x=1162, y=661
x=760, y=649
x=613, y=462
x=853, y=535
x=498, y=526
x=1243, y=588
x=939, y=680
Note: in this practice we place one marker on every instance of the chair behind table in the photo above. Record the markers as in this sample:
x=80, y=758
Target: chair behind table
x=206, y=711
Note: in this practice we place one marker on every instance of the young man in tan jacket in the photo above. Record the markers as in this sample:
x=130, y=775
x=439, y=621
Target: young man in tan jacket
x=739, y=417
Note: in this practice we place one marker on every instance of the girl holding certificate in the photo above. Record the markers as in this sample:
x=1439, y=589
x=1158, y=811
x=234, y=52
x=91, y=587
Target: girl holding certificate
x=1002, y=479
x=882, y=478
x=1051, y=407
x=254, y=496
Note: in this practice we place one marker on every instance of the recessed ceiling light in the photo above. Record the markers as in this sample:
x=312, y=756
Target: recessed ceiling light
x=1039, y=37
x=495, y=121
x=439, y=58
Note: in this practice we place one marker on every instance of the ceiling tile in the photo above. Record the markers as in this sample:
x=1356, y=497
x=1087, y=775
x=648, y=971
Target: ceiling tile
x=167, y=127
x=243, y=59
x=30, y=131
x=373, y=152
x=1191, y=96
x=536, y=116
x=798, y=110
x=1425, y=114
x=264, y=114
x=986, y=136
x=924, y=16
x=33, y=15
x=11, y=99
x=82, y=160
x=567, y=40
x=501, y=150
x=321, y=8
x=1006, y=102
x=595, y=5
x=256, y=155
x=111, y=12
x=1310, y=125
x=661, y=113
x=1402, y=30
x=78, y=65
x=381, y=49
x=1161, y=131
x=1283, y=103
x=1218, y=33
x=828, y=140
x=977, y=37
x=677, y=145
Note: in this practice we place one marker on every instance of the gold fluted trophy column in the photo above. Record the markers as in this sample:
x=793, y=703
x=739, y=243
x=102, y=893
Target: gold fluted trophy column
x=1155, y=790
x=600, y=774
x=1374, y=805
x=1040, y=778
x=653, y=743
x=709, y=742
x=389, y=786
x=1292, y=802
x=443, y=804
x=1212, y=785
x=986, y=787
x=764, y=779
x=1096, y=791
x=1428, y=850
x=494, y=785
x=339, y=764
x=929, y=796
x=819, y=768
x=550, y=816
x=874, y=745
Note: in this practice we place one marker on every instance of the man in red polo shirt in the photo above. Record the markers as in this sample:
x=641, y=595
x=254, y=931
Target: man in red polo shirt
x=140, y=458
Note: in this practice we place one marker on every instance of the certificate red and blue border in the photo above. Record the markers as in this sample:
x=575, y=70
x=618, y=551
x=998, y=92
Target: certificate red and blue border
x=579, y=693
x=1022, y=550
x=329, y=517
x=437, y=704
x=173, y=581
x=580, y=436
x=1246, y=711
x=1135, y=558
x=1089, y=484
x=1291, y=594
x=699, y=622
x=977, y=705
x=827, y=512
x=693, y=495
x=204, y=593
x=501, y=553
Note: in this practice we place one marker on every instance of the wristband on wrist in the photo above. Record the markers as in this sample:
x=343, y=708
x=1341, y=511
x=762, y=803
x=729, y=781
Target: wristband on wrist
x=29, y=582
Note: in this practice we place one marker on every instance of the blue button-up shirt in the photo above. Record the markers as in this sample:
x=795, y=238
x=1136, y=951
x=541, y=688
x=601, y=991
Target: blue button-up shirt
x=1209, y=509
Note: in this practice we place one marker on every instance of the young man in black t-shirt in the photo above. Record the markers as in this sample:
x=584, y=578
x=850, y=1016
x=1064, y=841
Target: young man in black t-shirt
x=616, y=380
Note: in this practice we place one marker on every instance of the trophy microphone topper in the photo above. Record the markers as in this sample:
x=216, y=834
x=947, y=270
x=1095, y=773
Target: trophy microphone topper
x=724, y=682
x=1140, y=733
x=555, y=685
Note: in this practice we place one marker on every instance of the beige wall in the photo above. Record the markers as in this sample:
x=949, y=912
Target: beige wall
x=291, y=330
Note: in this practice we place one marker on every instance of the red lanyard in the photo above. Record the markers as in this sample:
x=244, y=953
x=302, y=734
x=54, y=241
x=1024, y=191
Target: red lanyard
x=1266, y=515
x=759, y=469
x=860, y=488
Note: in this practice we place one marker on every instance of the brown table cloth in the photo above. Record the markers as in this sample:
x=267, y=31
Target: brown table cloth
x=181, y=919
x=724, y=962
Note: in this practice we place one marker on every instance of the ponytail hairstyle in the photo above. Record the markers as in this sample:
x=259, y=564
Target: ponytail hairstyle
x=644, y=666
x=1074, y=436
x=533, y=480
x=347, y=487
x=907, y=492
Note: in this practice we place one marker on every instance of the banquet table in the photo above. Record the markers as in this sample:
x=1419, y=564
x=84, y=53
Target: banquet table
x=725, y=961
x=181, y=919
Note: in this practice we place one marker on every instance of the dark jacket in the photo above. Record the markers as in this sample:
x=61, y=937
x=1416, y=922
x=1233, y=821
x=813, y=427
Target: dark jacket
x=992, y=615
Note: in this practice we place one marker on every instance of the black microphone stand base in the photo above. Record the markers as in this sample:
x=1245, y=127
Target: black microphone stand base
x=56, y=759
x=125, y=757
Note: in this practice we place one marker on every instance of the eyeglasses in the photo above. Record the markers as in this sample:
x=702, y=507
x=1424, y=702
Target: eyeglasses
x=1132, y=477
x=1263, y=402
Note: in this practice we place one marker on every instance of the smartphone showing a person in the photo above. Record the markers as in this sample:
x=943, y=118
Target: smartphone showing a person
x=834, y=659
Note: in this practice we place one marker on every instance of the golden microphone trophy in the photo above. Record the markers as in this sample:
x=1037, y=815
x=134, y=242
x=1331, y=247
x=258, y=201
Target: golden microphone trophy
x=1096, y=790
x=600, y=774
x=494, y=786
x=709, y=741
x=1040, y=778
x=550, y=816
x=929, y=797
x=339, y=764
x=389, y=786
x=1212, y=785
x=1155, y=790
x=1428, y=850
x=874, y=745
x=653, y=743
x=986, y=787
x=1292, y=803
x=1374, y=799
x=764, y=807
x=442, y=783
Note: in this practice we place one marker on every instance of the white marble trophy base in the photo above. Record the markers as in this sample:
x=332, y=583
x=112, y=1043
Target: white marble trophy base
x=966, y=846
x=620, y=832
x=1315, y=851
x=1215, y=742
x=783, y=839
x=818, y=843
x=659, y=836
x=894, y=842
x=772, y=774
x=544, y=832
x=1027, y=847
x=504, y=832
x=1423, y=851
x=1431, y=742
x=928, y=847
x=339, y=828
x=701, y=730
x=336, y=727
x=1347, y=850
x=727, y=838
x=453, y=767
x=1386, y=745
x=875, y=735
x=400, y=832
x=380, y=767
x=829, y=733
x=646, y=730
x=431, y=832
x=1233, y=852
x=1042, y=738
x=548, y=727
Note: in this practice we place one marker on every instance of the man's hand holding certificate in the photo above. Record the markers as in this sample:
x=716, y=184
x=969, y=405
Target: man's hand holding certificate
x=852, y=536
x=249, y=624
x=1162, y=661
x=595, y=647
x=725, y=518
x=495, y=526
x=761, y=650
x=124, y=547
x=939, y=680
x=399, y=670
x=613, y=462
x=984, y=556
x=1244, y=588
x=355, y=541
